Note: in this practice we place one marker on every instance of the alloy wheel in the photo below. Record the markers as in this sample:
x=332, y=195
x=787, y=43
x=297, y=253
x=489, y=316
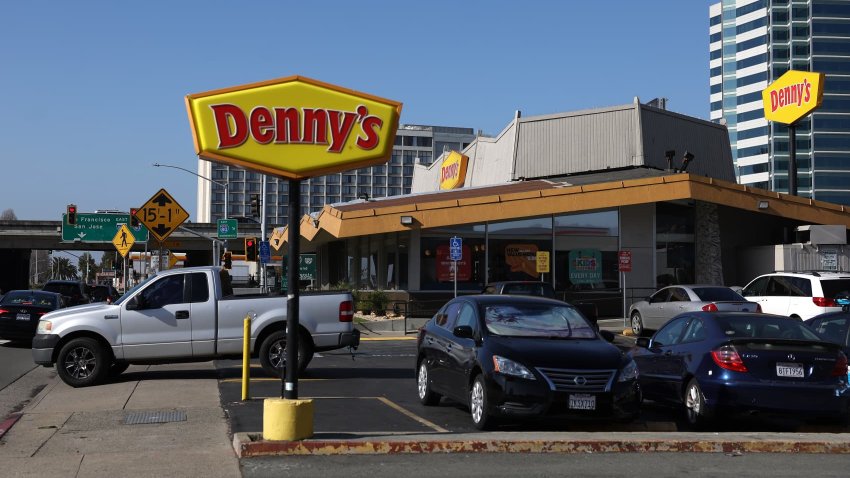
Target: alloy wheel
x=80, y=363
x=422, y=380
x=476, y=402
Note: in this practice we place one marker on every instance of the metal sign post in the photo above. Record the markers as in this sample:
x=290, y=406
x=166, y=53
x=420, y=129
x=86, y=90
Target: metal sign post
x=455, y=254
x=624, y=265
x=290, y=379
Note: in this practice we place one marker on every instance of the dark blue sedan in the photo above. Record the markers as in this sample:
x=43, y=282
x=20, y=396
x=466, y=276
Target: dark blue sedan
x=718, y=363
x=518, y=356
x=833, y=326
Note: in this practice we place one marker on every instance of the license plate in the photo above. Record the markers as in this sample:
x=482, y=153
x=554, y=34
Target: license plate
x=794, y=370
x=22, y=317
x=582, y=401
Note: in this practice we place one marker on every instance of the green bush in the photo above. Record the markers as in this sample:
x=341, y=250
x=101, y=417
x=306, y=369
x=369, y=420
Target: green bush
x=379, y=301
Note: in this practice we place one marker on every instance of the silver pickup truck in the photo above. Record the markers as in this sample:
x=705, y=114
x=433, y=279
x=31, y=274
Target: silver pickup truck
x=186, y=315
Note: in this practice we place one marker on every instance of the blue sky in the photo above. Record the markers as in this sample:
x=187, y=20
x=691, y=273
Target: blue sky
x=92, y=92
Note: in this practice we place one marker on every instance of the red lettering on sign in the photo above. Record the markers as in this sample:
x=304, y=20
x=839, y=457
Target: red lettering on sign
x=285, y=125
x=790, y=95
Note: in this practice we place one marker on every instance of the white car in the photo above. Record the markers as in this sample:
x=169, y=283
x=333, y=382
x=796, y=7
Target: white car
x=801, y=295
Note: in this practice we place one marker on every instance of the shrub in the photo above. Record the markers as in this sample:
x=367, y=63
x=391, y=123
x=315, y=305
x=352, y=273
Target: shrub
x=379, y=301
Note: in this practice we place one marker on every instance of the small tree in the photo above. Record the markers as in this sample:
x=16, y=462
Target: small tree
x=8, y=215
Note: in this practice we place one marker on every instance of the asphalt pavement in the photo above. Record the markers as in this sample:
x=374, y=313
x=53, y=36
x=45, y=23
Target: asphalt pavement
x=189, y=420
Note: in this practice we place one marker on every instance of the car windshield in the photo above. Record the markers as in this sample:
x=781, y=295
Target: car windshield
x=717, y=294
x=764, y=327
x=37, y=299
x=537, y=320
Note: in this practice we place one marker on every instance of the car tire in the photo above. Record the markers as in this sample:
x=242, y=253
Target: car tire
x=118, y=367
x=427, y=396
x=479, y=404
x=696, y=412
x=82, y=362
x=273, y=353
x=637, y=324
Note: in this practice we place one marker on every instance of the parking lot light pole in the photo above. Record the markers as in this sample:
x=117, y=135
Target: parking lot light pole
x=224, y=185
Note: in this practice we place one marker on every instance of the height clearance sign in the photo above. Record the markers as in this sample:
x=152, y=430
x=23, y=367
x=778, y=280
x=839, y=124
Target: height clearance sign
x=294, y=127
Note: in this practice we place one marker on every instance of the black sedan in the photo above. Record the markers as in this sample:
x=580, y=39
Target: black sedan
x=514, y=356
x=20, y=311
x=728, y=362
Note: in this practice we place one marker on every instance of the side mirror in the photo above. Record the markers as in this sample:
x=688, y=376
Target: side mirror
x=607, y=335
x=642, y=342
x=463, y=332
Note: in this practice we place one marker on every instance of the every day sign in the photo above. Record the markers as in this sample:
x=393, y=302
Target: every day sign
x=585, y=266
x=794, y=95
x=295, y=127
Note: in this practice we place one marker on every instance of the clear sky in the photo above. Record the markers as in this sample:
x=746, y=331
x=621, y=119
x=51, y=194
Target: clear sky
x=92, y=92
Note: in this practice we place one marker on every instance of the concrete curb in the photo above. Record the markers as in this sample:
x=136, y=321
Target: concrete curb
x=251, y=445
x=9, y=422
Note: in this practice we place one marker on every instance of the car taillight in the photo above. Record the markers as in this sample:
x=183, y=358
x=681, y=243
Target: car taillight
x=710, y=307
x=4, y=311
x=727, y=357
x=840, y=368
x=346, y=311
x=824, y=302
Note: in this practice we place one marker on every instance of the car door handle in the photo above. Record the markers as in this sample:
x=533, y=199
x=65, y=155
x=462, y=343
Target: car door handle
x=107, y=317
x=181, y=314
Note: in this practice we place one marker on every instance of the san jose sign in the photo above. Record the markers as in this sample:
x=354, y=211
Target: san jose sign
x=294, y=127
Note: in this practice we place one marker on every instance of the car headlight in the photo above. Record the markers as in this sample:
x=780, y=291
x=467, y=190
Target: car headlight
x=628, y=372
x=509, y=367
x=44, y=327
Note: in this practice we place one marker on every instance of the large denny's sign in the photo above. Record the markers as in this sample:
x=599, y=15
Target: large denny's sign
x=295, y=127
x=453, y=170
x=794, y=95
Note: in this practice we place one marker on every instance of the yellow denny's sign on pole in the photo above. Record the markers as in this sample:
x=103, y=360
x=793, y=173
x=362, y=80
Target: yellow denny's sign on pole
x=453, y=170
x=794, y=95
x=294, y=127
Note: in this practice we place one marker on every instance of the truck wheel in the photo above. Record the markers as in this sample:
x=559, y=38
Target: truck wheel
x=82, y=362
x=273, y=353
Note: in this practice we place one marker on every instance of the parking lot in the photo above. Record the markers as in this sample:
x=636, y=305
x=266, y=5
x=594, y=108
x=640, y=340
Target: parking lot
x=373, y=391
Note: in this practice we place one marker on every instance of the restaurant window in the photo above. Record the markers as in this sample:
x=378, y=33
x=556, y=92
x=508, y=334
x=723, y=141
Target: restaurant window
x=435, y=264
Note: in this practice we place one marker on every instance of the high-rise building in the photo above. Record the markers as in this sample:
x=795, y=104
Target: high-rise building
x=414, y=144
x=752, y=43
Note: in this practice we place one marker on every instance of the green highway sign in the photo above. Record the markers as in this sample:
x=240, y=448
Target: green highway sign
x=99, y=228
x=227, y=228
x=306, y=269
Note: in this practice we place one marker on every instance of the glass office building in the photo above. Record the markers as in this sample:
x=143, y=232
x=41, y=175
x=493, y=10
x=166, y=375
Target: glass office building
x=752, y=43
x=414, y=144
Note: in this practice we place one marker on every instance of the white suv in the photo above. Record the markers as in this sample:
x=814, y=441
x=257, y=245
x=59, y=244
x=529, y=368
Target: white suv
x=801, y=295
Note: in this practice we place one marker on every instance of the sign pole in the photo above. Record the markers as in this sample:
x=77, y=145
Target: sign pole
x=454, y=275
x=290, y=382
x=625, y=312
x=792, y=159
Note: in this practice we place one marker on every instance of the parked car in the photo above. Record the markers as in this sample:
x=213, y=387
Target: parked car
x=103, y=293
x=184, y=315
x=801, y=295
x=74, y=291
x=668, y=302
x=523, y=356
x=20, y=311
x=717, y=363
x=834, y=326
x=537, y=289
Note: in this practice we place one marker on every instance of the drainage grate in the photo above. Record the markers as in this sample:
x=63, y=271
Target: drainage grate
x=163, y=416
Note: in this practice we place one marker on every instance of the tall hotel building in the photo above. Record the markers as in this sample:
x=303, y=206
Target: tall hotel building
x=414, y=144
x=753, y=42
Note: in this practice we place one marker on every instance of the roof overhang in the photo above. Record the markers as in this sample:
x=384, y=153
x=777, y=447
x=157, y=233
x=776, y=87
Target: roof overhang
x=540, y=198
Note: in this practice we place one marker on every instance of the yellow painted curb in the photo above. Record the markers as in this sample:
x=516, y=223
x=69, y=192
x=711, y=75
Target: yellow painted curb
x=285, y=419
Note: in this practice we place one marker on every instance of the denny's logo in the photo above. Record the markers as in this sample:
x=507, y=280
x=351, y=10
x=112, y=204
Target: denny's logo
x=794, y=95
x=294, y=127
x=453, y=170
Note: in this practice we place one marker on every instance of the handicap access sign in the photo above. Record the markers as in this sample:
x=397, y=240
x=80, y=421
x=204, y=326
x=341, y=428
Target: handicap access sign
x=455, y=248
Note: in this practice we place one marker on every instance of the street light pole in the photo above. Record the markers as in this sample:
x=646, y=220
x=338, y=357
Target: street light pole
x=224, y=185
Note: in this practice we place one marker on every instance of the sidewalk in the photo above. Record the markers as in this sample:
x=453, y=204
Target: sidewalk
x=167, y=421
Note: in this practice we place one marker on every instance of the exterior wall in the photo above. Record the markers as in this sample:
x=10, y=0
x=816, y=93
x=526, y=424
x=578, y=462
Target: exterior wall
x=637, y=234
x=789, y=257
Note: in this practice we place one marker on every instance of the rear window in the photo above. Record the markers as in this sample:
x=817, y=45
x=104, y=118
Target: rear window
x=29, y=298
x=833, y=288
x=537, y=320
x=763, y=327
x=717, y=294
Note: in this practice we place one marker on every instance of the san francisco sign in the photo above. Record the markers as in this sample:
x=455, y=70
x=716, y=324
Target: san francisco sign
x=295, y=127
x=794, y=95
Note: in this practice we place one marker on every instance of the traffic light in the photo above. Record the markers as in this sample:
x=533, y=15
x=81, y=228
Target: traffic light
x=72, y=214
x=251, y=251
x=255, y=205
x=228, y=261
x=134, y=221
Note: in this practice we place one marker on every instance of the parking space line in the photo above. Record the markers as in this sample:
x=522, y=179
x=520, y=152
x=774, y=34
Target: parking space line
x=412, y=415
x=377, y=339
x=270, y=379
x=383, y=400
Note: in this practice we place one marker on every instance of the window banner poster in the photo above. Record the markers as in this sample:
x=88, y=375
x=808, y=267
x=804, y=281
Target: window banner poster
x=585, y=266
x=444, y=264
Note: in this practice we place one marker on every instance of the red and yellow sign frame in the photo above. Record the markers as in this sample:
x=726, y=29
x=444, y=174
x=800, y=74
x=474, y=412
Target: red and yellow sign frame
x=453, y=170
x=295, y=127
x=794, y=95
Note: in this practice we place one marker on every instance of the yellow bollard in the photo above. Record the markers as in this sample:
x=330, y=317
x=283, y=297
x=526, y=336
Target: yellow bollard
x=286, y=419
x=246, y=356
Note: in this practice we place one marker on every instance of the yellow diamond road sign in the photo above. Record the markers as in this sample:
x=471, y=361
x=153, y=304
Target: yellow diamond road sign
x=123, y=240
x=162, y=215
